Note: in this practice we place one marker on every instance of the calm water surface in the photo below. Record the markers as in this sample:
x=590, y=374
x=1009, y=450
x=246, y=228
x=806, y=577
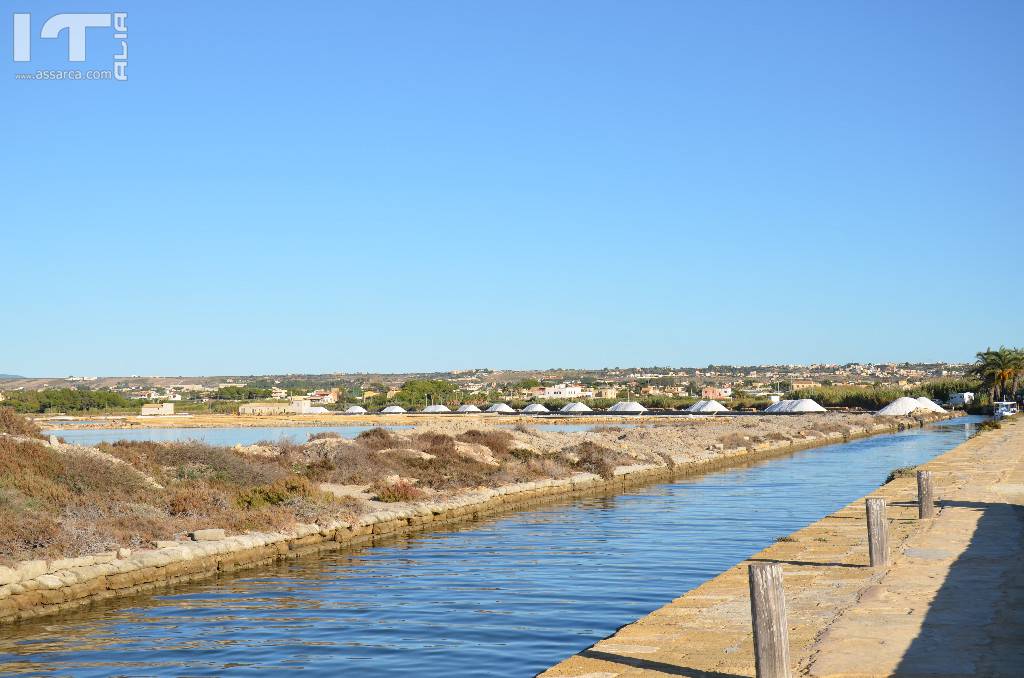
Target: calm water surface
x=503, y=597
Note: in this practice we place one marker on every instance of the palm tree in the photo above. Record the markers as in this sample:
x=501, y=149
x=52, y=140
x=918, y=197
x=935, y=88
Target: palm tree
x=1000, y=371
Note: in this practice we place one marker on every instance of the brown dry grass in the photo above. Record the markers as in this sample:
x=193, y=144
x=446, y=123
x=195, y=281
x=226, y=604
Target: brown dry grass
x=66, y=503
x=733, y=440
x=13, y=423
x=399, y=490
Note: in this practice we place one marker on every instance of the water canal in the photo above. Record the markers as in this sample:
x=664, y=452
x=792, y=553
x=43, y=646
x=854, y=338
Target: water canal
x=507, y=596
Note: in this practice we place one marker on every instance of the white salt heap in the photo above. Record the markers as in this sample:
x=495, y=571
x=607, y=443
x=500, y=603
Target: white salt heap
x=627, y=407
x=535, y=408
x=435, y=409
x=575, y=407
x=930, y=405
x=900, y=407
x=707, y=407
x=463, y=409
x=500, y=407
x=802, y=406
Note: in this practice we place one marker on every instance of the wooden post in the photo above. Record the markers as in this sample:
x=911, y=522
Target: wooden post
x=925, y=495
x=878, y=532
x=768, y=610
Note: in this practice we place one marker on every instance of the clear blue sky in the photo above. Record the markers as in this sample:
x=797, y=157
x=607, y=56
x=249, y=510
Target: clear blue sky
x=402, y=186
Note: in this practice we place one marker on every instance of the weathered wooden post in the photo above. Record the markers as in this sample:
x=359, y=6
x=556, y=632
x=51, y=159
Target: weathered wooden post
x=768, y=610
x=925, y=495
x=878, y=532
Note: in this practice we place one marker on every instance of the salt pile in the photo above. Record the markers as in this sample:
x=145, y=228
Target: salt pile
x=777, y=407
x=355, y=409
x=435, y=409
x=463, y=409
x=535, y=408
x=627, y=407
x=707, y=407
x=802, y=406
x=393, y=409
x=900, y=408
x=575, y=407
x=930, y=405
x=500, y=407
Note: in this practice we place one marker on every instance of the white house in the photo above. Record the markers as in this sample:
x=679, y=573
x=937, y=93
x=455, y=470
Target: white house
x=566, y=391
x=961, y=399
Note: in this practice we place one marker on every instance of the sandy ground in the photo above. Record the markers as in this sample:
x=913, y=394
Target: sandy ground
x=950, y=604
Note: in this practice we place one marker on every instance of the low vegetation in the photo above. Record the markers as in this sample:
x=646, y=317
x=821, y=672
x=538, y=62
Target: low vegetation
x=901, y=472
x=13, y=423
x=66, y=400
x=68, y=501
x=873, y=398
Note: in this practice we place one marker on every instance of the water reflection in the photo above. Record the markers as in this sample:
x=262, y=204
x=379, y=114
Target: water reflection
x=504, y=596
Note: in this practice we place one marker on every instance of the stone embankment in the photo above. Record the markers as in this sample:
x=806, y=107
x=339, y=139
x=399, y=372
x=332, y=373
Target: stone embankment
x=39, y=587
x=951, y=602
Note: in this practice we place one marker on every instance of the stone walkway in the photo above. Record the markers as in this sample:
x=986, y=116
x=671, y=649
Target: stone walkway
x=952, y=602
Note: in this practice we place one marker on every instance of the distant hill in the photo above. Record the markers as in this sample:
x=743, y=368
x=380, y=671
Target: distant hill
x=11, y=376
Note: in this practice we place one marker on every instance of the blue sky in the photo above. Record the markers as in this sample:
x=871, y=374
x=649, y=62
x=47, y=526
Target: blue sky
x=397, y=186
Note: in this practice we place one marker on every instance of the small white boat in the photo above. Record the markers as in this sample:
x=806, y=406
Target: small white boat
x=1004, y=408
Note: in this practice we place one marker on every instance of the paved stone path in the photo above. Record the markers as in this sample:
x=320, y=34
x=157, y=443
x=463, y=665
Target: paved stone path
x=952, y=602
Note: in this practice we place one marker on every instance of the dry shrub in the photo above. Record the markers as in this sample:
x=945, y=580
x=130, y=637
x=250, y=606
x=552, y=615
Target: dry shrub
x=829, y=427
x=279, y=492
x=25, y=531
x=399, y=490
x=449, y=470
x=352, y=465
x=498, y=442
x=321, y=468
x=324, y=435
x=901, y=472
x=733, y=440
x=197, y=500
x=191, y=460
x=435, y=443
x=15, y=424
x=376, y=438
x=593, y=458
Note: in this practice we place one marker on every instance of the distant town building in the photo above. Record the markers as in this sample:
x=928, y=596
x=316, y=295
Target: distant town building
x=716, y=392
x=609, y=392
x=263, y=409
x=804, y=383
x=564, y=391
x=298, y=405
x=156, y=409
x=322, y=397
x=278, y=393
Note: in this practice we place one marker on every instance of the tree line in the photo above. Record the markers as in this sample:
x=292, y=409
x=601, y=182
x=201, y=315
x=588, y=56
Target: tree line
x=1001, y=372
x=65, y=400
